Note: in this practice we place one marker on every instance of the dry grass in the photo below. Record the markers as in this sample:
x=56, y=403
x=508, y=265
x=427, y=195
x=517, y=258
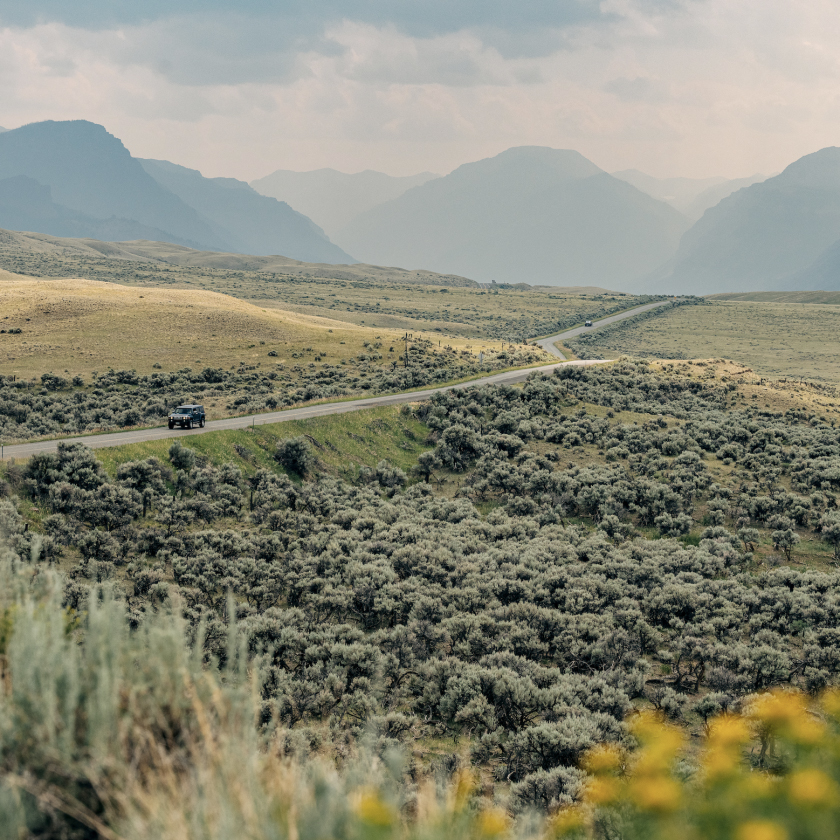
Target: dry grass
x=83, y=325
x=781, y=340
x=782, y=297
x=762, y=392
x=370, y=296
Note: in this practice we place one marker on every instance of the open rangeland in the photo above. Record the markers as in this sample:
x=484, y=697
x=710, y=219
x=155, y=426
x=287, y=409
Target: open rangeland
x=491, y=570
x=775, y=339
x=369, y=296
x=78, y=326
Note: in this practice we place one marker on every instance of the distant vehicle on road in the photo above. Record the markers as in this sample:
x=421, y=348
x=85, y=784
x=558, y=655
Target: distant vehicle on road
x=187, y=416
x=588, y=324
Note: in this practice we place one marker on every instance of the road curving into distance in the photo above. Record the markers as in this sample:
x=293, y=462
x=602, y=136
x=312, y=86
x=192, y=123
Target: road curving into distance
x=25, y=450
x=548, y=344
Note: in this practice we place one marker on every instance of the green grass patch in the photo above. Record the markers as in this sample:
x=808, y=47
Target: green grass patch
x=342, y=443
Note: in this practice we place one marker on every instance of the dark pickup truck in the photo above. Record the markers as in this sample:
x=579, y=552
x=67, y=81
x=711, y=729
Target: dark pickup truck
x=187, y=416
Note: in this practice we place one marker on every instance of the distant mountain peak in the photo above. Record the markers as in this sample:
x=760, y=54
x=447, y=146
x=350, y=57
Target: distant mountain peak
x=818, y=169
x=530, y=214
x=767, y=236
x=93, y=179
x=517, y=160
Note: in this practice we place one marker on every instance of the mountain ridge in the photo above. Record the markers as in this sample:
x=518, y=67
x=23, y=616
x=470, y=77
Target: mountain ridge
x=92, y=174
x=530, y=214
x=764, y=236
x=332, y=198
x=253, y=223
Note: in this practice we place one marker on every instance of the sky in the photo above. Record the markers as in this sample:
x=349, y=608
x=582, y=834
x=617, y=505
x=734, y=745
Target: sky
x=693, y=88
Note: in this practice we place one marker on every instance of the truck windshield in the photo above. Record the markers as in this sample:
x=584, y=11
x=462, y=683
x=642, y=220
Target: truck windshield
x=183, y=409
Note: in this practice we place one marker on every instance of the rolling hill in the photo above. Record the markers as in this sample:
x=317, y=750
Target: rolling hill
x=333, y=199
x=778, y=234
x=32, y=253
x=530, y=214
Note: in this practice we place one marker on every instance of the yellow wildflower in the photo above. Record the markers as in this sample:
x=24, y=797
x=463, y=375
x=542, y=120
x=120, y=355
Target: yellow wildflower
x=760, y=830
x=661, y=743
x=464, y=786
x=812, y=787
x=603, y=759
x=728, y=731
x=806, y=729
x=566, y=821
x=656, y=793
x=831, y=702
x=372, y=810
x=779, y=707
x=602, y=790
x=493, y=822
x=718, y=762
x=757, y=786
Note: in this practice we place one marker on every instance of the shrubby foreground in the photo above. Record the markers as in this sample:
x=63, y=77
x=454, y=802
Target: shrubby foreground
x=519, y=622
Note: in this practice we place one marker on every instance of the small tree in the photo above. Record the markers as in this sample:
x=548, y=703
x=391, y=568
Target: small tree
x=830, y=527
x=296, y=455
x=785, y=541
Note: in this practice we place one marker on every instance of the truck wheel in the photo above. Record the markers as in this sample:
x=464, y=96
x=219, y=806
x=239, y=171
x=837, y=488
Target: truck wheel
x=171, y=425
x=201, y=423
x=189, y=424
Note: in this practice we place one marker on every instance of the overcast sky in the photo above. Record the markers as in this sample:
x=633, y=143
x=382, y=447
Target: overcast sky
x=671, y=87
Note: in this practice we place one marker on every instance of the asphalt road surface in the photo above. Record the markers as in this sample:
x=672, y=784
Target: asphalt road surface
x=548, y=343
x=24, y=450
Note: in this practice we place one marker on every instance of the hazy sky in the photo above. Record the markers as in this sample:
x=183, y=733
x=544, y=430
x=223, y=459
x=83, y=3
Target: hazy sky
x=671, y=87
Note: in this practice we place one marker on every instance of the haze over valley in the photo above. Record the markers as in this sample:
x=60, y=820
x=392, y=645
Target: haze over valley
x=530, y=215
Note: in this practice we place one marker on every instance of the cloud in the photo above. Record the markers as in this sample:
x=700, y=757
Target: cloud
x=694, y=87
x=418, y=18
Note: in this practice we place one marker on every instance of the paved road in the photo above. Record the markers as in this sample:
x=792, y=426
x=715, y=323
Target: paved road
x=548, y=343
x=24, y=450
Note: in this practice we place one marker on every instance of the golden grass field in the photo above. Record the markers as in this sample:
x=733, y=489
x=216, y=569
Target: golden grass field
x=782, y=297
x=80, y=326
x=779, y=340
x=370, y=296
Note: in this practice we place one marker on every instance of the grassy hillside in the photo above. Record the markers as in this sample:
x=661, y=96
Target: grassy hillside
x=79, y=326
x=384, y=298
x=782, y=297
x=778, y=339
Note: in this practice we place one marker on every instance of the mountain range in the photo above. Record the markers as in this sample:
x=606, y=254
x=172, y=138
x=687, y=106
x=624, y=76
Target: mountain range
x=333, y=199
x=251, y=223
x=97, y=189
x=691, y=196
x=782, y=233
x=530, y=214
